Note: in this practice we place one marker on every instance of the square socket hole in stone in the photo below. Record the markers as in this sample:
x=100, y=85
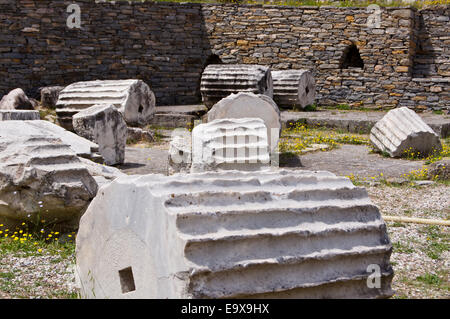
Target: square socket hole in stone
x=127, y=280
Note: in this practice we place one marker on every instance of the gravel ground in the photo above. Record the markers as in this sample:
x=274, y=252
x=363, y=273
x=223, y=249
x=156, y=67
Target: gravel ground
x=421, y=257
x=38, y=276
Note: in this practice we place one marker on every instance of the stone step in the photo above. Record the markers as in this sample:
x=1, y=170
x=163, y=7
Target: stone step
x=206, y=222
x=214, y=200
x=303, y=274
x=283, y=259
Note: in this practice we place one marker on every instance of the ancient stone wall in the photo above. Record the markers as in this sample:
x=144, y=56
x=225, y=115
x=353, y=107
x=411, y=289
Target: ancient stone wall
x=168, y=45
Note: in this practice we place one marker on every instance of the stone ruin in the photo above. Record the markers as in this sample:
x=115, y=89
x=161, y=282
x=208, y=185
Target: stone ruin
x=133, y=98
x=230, y=144
x=16, y=100
x=42, y=178
x=250, y=105
x=293, y=88
x=220, y=80
x=402, y=130
x=19, y=115
x=81, y=146
x=265, y=234
x=103, y=124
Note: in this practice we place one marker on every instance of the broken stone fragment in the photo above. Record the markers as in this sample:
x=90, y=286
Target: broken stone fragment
x=136, y=134
x=81, y=146
x=293, y=88
x=233, y=234
x=240, y=144
x=19, y=115
x=16, y=100
x=133, y=98
x=401, y=131
x=180, y=151
x=41, y=178
x=220, y=80
x=250, y=105
x=49, y=96
x=104, y=125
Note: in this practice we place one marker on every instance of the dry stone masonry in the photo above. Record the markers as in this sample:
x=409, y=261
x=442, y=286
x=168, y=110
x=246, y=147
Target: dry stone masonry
x=293, y=88
x=133, y=98
x=402, y=130
x=250, y=105
x=288, y=234
x=230, y=144
x=221, y=80
x=405, y=60
x=42, y=179
x=103, y=124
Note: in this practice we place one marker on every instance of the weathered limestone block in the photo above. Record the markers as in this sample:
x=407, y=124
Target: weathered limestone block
x=293, y=88
x=49, y=96
x=274, y=234
x=240, y=144
x=41, y=178
x=220, y=80
x=19, y=115
x=250, y=105
x=81, y=146
x=133, y=98
x=402, y=130
x=180, y=151
x=137, y=134
x=102, y=173
x=103, y=124
x=16, y=100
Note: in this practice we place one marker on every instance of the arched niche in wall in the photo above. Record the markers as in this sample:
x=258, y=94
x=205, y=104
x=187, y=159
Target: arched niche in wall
x=351, y=58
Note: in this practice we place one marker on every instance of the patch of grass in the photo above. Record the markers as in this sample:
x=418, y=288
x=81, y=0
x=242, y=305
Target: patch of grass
x=28, y=243
x=437, y=241
x=398, y=247
x=299, y=136
x=310, y=108
x=430, y=279
x=438, y=112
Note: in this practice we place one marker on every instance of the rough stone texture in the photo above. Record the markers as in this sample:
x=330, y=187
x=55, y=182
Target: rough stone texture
x=178, y=116
x=402, y=130
x=49, y=96
x=136, y=134
x=293, y=88
x=42, y=179
x=133, y=98
x=103, y=124
x=180, y=152
x=81, y=146
x=167, y=45
x=19, y=115
x=102, y=173
x=16, y=100
x=440, y=169
x=246, y=105
x=286, y=234
x=239, y=144
x=221, y=80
